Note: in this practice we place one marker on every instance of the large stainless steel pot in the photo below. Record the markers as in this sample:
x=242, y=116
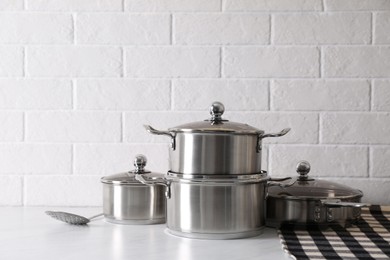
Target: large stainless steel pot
x=127, y=201
x=215, y=146
x=214, y=206
x=312, y=202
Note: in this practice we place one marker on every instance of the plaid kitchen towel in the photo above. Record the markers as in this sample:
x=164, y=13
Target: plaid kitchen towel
x=367, y=239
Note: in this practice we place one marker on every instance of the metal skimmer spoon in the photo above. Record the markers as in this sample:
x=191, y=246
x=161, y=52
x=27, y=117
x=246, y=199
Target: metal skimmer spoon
x=70, y=218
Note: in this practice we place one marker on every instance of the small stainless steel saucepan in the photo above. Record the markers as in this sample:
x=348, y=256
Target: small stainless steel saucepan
x=127, y=201
x=312, y=202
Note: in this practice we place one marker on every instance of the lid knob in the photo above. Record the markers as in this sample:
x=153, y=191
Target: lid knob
x=140, y=163
x=303, y=168
x=216, y=111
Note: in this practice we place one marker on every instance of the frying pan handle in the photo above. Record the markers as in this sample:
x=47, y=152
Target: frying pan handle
x=158, y=181
x=159, y=132
x=339, y=204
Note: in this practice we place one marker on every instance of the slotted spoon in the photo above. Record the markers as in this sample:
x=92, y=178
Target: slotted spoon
x=70, y=218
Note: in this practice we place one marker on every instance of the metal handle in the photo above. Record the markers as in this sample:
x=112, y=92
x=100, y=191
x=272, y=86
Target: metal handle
x=159, y=132
x=262, y=136
x=158, y=181
x=281, y=133
x=216, y=111
x=278, y=182
x=140, y=163
x=339, y=204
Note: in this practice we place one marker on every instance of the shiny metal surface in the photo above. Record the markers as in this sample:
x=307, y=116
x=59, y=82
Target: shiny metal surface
x=308, y=212
x=215, y=146
x=128, y=201
x=312, y=202
x=71, y=218
x=214, y=208
x=216, y=211
x=215, y=154
x=134, y=204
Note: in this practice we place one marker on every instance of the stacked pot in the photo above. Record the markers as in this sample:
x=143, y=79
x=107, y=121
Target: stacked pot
x=215, y=187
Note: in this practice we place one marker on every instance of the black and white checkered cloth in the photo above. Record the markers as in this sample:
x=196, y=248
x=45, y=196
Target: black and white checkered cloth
x=368, y=239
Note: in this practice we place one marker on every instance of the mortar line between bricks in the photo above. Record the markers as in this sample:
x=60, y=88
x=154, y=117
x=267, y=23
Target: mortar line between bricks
x=195, y=45
x=123, y=5
x=188, y=78
x=230, y=12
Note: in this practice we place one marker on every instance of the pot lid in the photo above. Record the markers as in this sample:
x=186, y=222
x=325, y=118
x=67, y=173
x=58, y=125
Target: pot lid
x=308, y=188
x=127, y=178
x=217, y=124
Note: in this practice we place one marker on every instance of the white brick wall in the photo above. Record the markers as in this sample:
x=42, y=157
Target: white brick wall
x=79, y=78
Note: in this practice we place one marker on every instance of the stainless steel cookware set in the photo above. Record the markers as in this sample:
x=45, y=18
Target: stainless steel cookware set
x=215, y=187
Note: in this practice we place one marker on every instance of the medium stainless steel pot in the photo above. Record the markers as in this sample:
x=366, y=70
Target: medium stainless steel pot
x=127, y=201
x=312, y=202
x=215, y=146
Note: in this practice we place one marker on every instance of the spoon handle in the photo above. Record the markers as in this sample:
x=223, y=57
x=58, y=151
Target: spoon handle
x=98, y=215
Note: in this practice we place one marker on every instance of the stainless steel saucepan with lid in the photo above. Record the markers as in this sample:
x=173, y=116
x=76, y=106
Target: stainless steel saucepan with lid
x=215, y=146
x=312, y=202
x=127, y=201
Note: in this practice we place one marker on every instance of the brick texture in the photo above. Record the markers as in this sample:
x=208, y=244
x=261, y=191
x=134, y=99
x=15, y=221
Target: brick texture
x=97, y=28
x=350, y=28
x=80, y=78
x=239, y=94
x=320, y=95
x=74, y=61
x=161, y=62
x=272, y=5
x=119, y=94
x=221, y=29
x=357, y=62
x=172, y=5
x=74, y=5
x=381, y=95
x=264, y=62
x=382, y=27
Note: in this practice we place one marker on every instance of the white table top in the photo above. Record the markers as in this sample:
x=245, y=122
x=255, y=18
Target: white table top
x=28, y=233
